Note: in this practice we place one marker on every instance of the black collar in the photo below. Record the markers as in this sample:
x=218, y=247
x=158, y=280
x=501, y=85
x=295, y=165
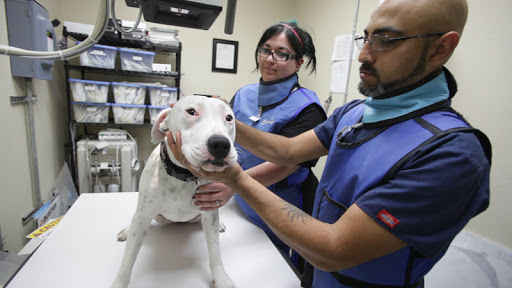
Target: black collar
x=173, y=169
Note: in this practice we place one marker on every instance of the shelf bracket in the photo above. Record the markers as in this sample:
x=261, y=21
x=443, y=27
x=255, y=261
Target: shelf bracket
x=25, y=219
x=22, y=99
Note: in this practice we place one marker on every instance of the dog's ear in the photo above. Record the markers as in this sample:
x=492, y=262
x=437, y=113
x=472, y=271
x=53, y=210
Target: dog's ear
x=157, y=135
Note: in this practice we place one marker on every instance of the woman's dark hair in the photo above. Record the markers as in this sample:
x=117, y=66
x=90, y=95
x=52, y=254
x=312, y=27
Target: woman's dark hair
x=303, y=46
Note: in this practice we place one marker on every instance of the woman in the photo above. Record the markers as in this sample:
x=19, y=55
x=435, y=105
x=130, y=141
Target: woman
x=277, y=104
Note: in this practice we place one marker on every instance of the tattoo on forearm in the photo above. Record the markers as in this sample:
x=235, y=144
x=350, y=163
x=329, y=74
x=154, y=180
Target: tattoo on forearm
x=295, y=213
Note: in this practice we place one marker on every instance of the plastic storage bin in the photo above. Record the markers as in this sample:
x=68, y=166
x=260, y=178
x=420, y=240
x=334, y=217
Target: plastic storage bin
x=100, y=56
x=154, y=111
x=162, y=96
x=89, y=91
x=135, y=60
x=128, y=113
x=91, y=112
x=129, y=93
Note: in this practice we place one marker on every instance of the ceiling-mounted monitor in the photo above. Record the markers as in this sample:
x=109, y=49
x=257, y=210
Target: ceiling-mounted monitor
x=197, y=14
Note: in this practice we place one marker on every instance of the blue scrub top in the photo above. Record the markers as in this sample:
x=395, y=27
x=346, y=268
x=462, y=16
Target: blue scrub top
x=435, y=193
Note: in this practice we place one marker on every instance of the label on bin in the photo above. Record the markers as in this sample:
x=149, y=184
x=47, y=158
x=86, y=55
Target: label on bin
x=91, y=109
x=137, y=58
x=98, y=52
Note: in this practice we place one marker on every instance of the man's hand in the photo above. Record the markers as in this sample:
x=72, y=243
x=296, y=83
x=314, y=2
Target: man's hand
x=228, y=176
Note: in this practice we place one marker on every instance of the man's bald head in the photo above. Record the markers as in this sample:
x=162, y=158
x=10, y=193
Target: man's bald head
x=432, y=29
x=428, y=15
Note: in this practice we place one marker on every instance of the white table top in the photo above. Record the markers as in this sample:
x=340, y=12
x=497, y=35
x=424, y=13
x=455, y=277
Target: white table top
x=83, y=251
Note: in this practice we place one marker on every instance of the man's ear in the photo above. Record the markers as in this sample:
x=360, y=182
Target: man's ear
x=442, y=49
x=159, y=128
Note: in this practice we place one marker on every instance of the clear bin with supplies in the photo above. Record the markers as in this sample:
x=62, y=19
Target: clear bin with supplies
x=154, y=111
x=91, y=112
x=89, y=91
x=135, y=60
x=128, y=113
x=129, y=93
x=100, y=56
x=162, y=96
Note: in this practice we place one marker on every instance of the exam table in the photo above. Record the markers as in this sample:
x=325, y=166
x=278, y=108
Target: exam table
x=83, y=251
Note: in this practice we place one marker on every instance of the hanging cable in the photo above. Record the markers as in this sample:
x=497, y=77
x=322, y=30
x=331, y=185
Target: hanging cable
x=114, y=19
x=97, y=33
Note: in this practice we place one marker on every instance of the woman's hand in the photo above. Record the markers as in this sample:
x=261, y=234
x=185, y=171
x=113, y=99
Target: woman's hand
x=213, y=196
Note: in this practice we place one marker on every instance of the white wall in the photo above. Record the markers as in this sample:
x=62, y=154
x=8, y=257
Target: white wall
x=480, y=65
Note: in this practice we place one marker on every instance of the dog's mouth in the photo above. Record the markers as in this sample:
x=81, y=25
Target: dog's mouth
x=214, y=165
x=215, y=162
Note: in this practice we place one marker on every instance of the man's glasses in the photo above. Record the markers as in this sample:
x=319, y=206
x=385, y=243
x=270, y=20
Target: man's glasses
x=278, y=56
x=381, y=42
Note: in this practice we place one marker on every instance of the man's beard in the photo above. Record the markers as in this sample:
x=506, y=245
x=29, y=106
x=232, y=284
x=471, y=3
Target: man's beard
x=381, y=88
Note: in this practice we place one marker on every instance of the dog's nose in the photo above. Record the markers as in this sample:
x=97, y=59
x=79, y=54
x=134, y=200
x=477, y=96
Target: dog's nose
x=218, y=146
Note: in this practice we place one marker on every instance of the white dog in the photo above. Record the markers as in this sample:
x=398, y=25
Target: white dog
x=207, y=128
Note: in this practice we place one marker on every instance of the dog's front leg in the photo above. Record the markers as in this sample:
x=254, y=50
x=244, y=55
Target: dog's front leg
x=135, y=236
x=210, y=223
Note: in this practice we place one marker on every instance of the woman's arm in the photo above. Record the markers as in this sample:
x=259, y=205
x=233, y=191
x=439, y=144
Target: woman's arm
x=279, y=149
x=266, y=173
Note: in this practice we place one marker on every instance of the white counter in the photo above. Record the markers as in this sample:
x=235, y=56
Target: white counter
x=83, y=251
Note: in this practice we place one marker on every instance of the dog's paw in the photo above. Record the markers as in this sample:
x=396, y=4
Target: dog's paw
x=222, y=227
x=122, y=235
x=223, y=283
x=221, y=278
x=118, y=283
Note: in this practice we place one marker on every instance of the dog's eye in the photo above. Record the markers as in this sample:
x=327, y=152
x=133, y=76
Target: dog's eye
x=229, y=118
x=191, y=111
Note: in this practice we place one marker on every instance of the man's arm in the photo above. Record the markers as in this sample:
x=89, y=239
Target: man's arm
x=279, y=149
x=352, y=240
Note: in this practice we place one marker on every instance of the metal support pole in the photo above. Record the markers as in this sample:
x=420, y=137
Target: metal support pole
x=35, y=165
x=1, y=241
x=29, y=100
x=354, y=27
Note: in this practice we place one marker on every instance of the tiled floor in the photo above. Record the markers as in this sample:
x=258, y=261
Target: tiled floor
x=472, y=262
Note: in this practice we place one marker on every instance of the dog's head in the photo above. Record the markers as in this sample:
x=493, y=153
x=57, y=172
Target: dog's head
x=207, y=127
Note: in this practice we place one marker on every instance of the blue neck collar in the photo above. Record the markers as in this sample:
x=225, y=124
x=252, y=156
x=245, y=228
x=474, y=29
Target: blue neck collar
x=433, y=91
x=274, y=91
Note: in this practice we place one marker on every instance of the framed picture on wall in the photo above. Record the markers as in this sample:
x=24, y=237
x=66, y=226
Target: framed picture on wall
x=225, y=56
